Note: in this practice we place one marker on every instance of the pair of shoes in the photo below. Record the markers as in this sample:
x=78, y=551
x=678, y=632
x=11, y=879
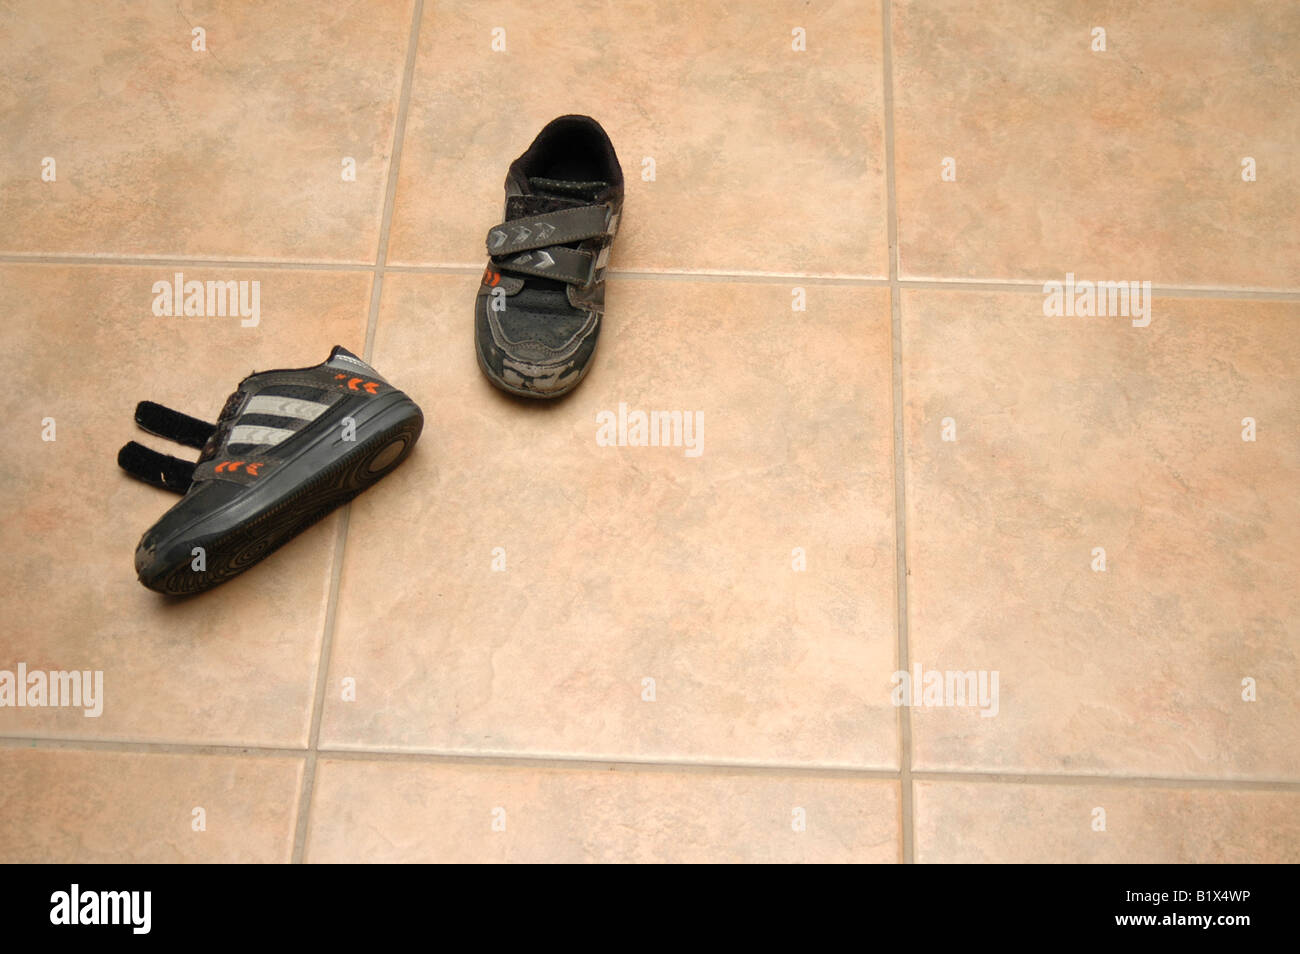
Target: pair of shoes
x=290, y=446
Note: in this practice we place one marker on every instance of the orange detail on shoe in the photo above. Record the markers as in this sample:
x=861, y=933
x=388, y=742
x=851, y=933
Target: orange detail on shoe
x=230, y=466
x=359, y=384
x=491, y=278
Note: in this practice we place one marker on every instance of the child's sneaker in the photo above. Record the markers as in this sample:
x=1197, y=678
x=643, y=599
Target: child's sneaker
x=539, y=308
x=288, y=448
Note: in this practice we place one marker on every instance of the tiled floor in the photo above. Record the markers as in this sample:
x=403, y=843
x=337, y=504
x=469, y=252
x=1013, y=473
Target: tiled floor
x=565, y=651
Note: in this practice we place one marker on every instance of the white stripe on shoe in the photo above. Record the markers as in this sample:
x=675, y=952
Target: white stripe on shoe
x=285, y=407
x=255, y=434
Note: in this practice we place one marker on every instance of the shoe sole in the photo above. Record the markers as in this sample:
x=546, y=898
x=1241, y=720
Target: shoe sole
x=308, y=488
x=523, y=392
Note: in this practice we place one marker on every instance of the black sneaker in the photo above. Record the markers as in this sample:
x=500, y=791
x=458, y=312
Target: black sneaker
x=537, y=315
x=288, y=448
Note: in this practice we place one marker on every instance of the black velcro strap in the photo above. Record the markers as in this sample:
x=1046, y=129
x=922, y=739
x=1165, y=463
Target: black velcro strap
x=159, y=470
x=569, y=265
x=172, y=425
x=561, y=227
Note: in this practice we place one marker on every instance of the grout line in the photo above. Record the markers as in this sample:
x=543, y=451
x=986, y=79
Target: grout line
x=900, y=512
x=394, y=169
x=141, y=261
x=152, y=748
x=593, y=763
x=303, y=817
x=1162, y=291
x=475, y=270
x=580, y=763
x=303, y=821
x=671, y=275
x=751, y=278
x=668, y=275
x=1116, y=781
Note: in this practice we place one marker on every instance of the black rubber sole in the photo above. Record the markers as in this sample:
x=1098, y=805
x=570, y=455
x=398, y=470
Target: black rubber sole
x=231, y=550
x=523, y=392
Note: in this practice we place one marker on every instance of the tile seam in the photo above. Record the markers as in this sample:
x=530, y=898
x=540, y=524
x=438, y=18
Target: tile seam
x=302, y=822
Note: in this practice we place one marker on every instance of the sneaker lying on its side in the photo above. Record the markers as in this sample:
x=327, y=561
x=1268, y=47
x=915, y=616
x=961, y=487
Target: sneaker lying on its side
x=288, y=448
x=538, y=311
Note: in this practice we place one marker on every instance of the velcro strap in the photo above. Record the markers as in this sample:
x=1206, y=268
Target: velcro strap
x=173, y=425
x=532, y=203
x=560, y=227
x=158, y=470
x=570, y=265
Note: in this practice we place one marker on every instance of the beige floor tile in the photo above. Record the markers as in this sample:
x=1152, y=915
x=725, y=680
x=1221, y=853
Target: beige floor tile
x=410, y=812
x=765, y=159
x=236, y=665
x=237, y=152
x=1123, y=164
x=982, y=822
x=69, y=806
x=632, y=563
x=1082, y=433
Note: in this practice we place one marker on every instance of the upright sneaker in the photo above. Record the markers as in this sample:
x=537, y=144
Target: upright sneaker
x=288, y=447
x=539, y=308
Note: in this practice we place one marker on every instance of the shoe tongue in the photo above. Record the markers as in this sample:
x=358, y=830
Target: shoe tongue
x=568, y=187
x=551, y=195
